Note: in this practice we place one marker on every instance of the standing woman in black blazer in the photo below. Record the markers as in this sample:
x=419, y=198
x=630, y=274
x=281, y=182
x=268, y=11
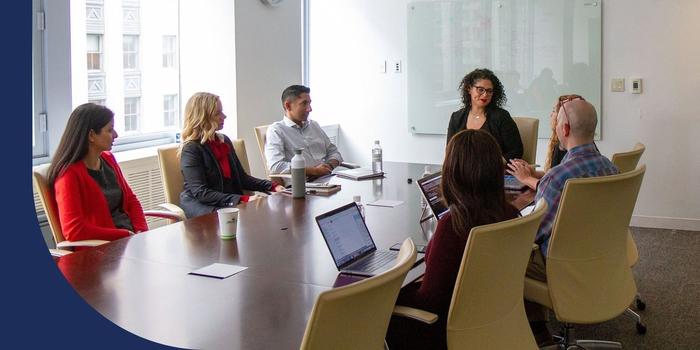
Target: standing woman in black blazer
x=214, y=177
x=483, y=98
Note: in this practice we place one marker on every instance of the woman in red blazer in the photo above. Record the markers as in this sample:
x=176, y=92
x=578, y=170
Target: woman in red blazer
x=93, y=199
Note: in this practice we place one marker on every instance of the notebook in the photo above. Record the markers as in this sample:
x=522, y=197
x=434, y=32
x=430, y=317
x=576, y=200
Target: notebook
x=350, y=243
x=430, y=190
x=511, y=183
x=358, y=173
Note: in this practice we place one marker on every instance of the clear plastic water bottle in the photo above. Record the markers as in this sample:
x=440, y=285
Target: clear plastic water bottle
x=298, y=175
x=377, y=165
x=358, y=200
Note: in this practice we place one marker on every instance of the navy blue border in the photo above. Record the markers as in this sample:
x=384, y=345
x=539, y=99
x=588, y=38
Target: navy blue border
x=40, y=309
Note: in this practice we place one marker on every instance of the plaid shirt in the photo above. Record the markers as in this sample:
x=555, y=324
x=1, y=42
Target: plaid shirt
x=580, y=161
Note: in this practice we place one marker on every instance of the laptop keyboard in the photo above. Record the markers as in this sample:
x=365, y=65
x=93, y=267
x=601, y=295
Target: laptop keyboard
x=378, y=259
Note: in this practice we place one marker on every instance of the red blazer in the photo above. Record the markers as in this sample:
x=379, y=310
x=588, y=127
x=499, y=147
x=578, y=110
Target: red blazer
x=82, y=207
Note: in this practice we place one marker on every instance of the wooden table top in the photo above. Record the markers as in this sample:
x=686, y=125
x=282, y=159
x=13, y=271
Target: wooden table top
x=142, y=284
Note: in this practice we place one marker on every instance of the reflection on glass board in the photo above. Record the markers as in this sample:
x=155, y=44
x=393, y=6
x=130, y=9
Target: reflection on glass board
x=539, y=49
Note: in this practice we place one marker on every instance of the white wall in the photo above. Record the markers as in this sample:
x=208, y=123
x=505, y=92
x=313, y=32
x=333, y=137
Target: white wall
x=658, y=42
x=268, y=59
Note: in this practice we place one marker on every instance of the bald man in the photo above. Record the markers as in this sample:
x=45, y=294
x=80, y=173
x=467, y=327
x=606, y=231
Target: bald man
x=576, y=123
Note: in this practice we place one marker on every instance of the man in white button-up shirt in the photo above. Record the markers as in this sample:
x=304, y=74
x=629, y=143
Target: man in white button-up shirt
x=294, y=131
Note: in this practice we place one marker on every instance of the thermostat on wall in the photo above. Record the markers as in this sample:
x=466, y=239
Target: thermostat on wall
x=636, y=85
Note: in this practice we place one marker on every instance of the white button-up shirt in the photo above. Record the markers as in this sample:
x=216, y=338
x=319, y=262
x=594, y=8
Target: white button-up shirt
x=284, y=136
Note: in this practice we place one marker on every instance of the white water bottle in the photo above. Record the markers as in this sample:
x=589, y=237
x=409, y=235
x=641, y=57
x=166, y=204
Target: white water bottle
x=358, y=200
x=377, y=157
x=298, y=175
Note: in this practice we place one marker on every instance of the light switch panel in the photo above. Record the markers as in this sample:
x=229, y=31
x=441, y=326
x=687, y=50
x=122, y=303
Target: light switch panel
x=617, y=85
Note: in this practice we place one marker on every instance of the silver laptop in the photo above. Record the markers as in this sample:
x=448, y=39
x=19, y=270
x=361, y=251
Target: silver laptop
x=430, y=190
x=350, y=243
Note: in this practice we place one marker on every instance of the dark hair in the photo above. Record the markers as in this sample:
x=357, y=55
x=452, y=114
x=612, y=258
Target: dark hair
x=472, y=180
x=293, y=92
x=499, y=94
x=74, y=142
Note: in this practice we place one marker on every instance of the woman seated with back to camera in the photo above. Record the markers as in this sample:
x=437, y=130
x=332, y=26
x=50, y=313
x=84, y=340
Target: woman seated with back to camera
x=213, y=174
x=472, y=188
x=93, y=199
x=483, y=97
x=555, y=152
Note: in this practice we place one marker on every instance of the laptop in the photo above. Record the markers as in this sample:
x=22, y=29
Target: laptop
x=430, y=190
x=350, y=243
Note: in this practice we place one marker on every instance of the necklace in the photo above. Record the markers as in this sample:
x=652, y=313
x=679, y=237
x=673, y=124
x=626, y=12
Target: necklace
x=475, y=116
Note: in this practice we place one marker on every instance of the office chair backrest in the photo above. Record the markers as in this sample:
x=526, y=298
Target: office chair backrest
x=170, y=172
x=587, y=271
x=487, y=310
x=40, y=176
x=174, y=183
x=357, y=316
x=261, y=136
x=528, y=128
x=239, y=148
x=627, y=161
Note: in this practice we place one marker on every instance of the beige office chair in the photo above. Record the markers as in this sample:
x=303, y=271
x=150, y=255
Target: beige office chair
x=528, y=128
x=357, y=316
x=627, y=161
x=487, y=309
x=261, y=136
x=48, y=201
x=588, y=278
x=170, y=171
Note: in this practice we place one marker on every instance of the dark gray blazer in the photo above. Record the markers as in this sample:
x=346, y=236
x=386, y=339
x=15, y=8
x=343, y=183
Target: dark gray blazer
x=204, y=184
x=498, y=123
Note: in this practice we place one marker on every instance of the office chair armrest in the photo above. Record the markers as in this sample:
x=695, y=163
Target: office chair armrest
x=59, y=252
x=85, y=243
x=165, y=214
x=416, y=314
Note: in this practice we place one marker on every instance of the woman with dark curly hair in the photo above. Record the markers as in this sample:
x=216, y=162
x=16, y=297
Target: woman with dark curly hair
x=483, y=98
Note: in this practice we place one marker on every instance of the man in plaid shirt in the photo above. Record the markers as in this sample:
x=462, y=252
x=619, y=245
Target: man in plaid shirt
x=576, y=123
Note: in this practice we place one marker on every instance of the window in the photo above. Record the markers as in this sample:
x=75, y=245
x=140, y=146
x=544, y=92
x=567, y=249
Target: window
x=170, y=103
x=131, y=52
x=39, y=137
x=169, y=51
x=94, y=52
x=132, y=106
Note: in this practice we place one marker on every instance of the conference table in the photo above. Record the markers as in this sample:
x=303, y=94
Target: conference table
x=142, y=283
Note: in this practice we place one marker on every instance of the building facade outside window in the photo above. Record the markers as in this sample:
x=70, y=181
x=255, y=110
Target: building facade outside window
x=169, y=51
x=94, y=52
x=132, y=107
x=170, y=110
x=131, y=52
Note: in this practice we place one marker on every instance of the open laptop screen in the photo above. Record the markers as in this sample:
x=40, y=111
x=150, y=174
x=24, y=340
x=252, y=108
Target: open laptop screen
x=430, y=188
x=345, y=233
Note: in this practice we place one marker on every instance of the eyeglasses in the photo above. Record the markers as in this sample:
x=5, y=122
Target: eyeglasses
x=482, y=90
x=567, y=98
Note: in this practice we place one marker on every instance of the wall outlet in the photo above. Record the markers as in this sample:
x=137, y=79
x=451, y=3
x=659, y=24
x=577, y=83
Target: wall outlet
x=398, y=67
x=636, y=85
x=617, y=85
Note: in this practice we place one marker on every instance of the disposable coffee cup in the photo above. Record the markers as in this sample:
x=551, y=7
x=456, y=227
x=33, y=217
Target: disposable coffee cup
x=228, y=222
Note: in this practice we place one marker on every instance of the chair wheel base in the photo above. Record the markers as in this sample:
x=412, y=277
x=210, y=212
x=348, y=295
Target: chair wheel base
x=641, y=328
x=640, y=304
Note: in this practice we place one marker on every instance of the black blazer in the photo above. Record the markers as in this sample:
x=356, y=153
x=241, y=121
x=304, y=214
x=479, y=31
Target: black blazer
x=498, y=123
x=204, y=184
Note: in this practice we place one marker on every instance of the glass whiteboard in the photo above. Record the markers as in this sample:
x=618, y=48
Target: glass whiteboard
x=539, y=49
